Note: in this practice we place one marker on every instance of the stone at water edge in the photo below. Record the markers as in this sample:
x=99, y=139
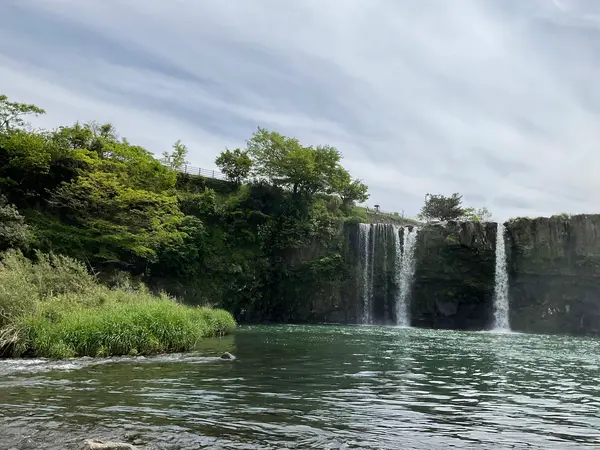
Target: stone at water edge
x=227, y=355
x=93, y=444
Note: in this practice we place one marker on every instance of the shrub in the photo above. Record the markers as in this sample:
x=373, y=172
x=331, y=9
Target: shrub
x=140, y=328
x=54, y=308
x=24, y=283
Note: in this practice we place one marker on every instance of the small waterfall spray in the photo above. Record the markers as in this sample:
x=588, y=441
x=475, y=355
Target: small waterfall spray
x=400, y=311
x=371, y=264
x=385, y=233
x=501, y=317
x=367, y=268
x=405, y=270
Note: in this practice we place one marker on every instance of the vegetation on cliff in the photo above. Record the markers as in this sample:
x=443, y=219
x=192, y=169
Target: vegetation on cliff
x=261, y=246
x=445, y=208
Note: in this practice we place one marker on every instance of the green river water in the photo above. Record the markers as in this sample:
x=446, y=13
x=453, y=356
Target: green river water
x=317, y=387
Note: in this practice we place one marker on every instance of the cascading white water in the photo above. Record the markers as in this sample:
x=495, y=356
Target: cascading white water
x=501, y=316
x=400, y=312
x=405, y=270
x=372, y=248
x=384, y=231
x=364, y=238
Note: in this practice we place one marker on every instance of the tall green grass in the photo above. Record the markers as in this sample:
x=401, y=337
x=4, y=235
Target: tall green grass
x=54, y=308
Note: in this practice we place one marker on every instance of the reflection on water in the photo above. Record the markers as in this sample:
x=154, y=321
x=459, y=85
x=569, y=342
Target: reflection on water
x=317, y=387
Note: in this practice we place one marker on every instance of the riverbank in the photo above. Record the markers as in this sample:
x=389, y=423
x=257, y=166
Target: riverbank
x=54, y=308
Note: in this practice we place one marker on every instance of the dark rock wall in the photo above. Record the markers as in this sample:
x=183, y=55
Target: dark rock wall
x=453, y=285
x=454, y=279
x=554, y=274
x=553, y=268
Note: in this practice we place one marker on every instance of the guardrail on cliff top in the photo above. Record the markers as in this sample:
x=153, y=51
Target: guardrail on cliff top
x=207, y=173
x=215, y=174
x=392, y=214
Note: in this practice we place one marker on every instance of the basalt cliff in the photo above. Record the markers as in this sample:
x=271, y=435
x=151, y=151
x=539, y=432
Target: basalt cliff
x=553, y=267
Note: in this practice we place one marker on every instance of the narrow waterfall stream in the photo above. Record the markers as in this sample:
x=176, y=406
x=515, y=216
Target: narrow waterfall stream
x=501, y=306
x=405, y=270
x=364, y=240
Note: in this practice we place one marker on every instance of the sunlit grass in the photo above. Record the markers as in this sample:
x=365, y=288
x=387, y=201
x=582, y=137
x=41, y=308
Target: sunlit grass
x=55, y=309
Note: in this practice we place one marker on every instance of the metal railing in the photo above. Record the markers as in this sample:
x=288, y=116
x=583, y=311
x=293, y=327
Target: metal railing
x=215, y=174
x=382, y=212
x=207, y=173
x=372, y=210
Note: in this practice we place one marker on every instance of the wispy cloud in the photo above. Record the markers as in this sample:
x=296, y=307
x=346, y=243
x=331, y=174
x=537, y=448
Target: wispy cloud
x=496, y=99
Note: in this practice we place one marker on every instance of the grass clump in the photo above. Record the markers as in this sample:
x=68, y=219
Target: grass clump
x=54, y=308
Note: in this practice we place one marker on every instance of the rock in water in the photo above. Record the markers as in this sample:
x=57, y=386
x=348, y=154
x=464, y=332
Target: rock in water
x=93, y=444
x=227, y=355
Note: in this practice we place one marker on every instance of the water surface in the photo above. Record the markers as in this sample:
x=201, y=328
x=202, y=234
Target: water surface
x=321, y=387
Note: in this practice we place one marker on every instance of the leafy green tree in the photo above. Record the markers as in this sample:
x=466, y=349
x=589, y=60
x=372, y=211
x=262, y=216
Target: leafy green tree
x=102, y=198
x=477, y=214
x=12, y=113
x=281, y=160
x=91, y=136
x=236, y=164
x=123, y=226
x=350, y=190
x=303, y=170
x=14, y=232
x=177, y=158
x=27, y=163
x=440, y=207
x=89, y=193
x=286, y=163
x=76, y=137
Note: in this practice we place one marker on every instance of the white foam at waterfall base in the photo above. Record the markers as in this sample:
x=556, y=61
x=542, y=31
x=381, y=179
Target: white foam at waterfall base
x=501, y=305
x=405, y=270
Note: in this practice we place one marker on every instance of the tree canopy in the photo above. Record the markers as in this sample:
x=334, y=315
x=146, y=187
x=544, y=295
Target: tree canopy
x=176, y=159
x=444, y=208
x=12, y=113
x=303, y=170
x=84, y=191
x=14, y=232
x=440, y=207
x=235, y=164
x=477, y=214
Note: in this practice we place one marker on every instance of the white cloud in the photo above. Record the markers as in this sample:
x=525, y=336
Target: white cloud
x=496, y=100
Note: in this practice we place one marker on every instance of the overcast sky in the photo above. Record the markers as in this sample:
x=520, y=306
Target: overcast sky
x=496, y=99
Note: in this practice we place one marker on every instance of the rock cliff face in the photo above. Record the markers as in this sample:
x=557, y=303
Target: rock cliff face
x=553, y=268
x=453, y=285
x=554, y=274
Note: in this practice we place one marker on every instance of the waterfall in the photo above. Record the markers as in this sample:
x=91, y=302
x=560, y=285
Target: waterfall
x=405, y=270
x=367, y=266
x=386, y=268
x=385, y=232
x=371, y=265
x=401, y=309
x=501, y=318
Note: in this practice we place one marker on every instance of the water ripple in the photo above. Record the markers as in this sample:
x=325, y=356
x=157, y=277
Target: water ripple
x=317, y=387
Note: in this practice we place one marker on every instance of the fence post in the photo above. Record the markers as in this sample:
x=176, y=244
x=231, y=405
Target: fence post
x=185, y=169
x=213, y=173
